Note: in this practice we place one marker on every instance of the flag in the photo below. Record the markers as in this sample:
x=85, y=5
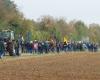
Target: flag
x=65, y=39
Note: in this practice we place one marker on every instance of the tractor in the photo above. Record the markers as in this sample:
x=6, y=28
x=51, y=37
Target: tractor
x=8, y=37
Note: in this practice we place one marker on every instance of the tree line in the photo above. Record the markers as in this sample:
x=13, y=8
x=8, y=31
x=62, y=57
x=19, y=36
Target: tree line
x=46, y=27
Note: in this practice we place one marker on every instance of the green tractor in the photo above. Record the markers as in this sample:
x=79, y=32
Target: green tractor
x=8, y=37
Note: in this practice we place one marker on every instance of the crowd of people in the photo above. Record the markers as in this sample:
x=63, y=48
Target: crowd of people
x=50, y=46
x=16, y=48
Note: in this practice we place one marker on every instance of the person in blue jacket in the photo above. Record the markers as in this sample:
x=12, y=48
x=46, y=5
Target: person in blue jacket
x=2, y=48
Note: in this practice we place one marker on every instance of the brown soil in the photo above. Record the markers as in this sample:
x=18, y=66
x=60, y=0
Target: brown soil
x=73, y=66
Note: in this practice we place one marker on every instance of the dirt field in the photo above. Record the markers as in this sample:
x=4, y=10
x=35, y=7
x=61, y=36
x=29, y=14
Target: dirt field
x=73, y=66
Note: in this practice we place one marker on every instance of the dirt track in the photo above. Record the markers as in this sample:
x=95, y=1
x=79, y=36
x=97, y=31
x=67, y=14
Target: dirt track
x=53, y=67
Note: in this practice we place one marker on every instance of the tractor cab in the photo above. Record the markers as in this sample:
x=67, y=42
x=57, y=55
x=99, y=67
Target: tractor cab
x=7, y=35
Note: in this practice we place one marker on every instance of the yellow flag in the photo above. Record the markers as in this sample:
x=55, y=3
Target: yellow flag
x=65, y=39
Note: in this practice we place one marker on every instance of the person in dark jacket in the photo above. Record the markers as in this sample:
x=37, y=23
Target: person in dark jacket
x=2, y=49
x=10, y=48
x=58, y=47
x=17, y=48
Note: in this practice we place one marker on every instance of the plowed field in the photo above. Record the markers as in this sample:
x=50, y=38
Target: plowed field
x=69, y=66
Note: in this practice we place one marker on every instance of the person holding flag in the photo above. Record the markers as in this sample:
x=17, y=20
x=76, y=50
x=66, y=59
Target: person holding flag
x=65, y=44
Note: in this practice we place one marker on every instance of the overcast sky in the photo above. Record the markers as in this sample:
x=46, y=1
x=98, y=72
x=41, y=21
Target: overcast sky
x=85, y=10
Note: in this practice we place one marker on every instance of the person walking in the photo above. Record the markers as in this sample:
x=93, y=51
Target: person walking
x=2, y=48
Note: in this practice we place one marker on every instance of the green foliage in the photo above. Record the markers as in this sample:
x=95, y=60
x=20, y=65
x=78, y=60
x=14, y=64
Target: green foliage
x=81, y=30
x=94, y=33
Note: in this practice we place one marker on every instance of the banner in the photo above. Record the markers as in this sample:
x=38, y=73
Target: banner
x=65, y=39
